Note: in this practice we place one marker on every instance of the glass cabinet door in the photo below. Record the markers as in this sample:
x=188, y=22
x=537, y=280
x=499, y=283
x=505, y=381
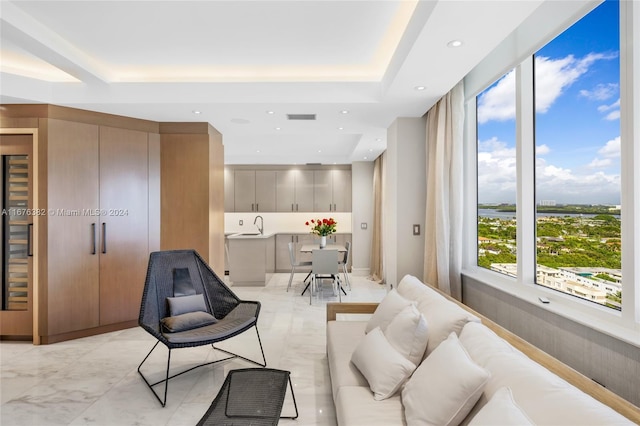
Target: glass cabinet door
x=17, y=222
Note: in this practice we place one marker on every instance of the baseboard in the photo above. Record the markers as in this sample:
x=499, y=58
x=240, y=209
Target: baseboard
x=361, y=272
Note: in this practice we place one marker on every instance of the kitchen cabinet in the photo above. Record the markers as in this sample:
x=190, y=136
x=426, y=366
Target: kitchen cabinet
x=294, y=190
x=97, y=242
x=254, y=191
x=229, y=191
x=332, y=190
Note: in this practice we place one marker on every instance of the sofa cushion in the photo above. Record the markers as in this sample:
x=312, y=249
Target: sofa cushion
x=381, y=364
x=445, y=386
x=342, y=339
x=412, y=288
x=408, y=334
x=442, y=315
x=355, y=406
x=389, y=307
x=501, y=410
x=545, y=397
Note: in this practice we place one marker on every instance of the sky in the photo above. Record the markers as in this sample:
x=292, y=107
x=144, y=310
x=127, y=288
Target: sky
x=577, y=92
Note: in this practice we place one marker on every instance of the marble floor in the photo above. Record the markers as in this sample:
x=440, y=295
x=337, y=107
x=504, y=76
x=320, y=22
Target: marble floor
x=93, y=381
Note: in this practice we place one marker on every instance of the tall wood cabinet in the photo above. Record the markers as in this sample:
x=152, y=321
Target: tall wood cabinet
x=98, y=199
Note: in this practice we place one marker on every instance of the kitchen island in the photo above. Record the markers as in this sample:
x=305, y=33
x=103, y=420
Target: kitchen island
x=251, y=258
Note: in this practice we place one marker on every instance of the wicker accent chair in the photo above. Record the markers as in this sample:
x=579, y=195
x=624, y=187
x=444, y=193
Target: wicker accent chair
x=232, y=315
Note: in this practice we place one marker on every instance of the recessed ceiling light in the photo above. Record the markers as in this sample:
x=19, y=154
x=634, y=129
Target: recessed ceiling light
x=270, y=112
x=195, y=111
x=419, y=88
x=340, y=128
x=319, y=151
x=277, y=128
x=370, y=150
x=379, y=140
x=344, y=111
x=258, y=151
x=365, y=158
x=454, y=43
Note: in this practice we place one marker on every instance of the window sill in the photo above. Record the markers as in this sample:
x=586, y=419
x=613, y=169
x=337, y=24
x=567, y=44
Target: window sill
x=588, y=314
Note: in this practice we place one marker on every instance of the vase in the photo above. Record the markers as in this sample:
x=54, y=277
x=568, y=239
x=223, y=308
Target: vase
x=323, y=241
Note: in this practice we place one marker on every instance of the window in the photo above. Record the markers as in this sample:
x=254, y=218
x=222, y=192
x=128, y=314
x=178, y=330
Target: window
x=550, y=174
x=496, y=134
x=577, y=159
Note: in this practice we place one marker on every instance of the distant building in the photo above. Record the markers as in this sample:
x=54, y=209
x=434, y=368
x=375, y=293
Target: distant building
x=548, y=203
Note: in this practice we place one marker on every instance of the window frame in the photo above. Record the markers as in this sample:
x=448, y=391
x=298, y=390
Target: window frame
x=624, y=324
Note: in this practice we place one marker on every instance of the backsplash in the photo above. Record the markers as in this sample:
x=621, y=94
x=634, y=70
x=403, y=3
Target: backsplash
x=291, y=223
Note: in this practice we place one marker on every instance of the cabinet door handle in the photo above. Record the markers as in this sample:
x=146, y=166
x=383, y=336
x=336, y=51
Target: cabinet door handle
x=296, y=206
x=252, y=207
x=257, y=207
x=104, y=237
x=330, y=207
x=292, y=207
x=334, y=208
x=29, y=236
x=93, y=238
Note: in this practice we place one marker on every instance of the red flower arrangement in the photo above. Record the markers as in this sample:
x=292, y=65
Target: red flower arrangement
x=322, y=227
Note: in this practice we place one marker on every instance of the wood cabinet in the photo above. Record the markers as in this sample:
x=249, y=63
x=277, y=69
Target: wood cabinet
x=332, y=190
x=98, y=241
x=254, y=191
x=287, y=189
x=294, y=190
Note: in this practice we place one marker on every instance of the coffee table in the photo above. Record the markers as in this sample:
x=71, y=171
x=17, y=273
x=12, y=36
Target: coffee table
x=250, y=397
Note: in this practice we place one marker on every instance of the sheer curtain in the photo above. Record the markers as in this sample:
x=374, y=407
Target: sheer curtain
x=443, y=224
x=377, y=263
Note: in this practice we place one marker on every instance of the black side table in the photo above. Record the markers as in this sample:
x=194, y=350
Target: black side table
x=250, y=397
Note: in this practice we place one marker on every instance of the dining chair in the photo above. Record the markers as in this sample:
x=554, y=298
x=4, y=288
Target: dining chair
x=344, y=262
x=294, y=263
x=325, y=266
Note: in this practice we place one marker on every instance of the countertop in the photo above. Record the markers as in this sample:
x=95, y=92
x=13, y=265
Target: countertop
x=250, y=236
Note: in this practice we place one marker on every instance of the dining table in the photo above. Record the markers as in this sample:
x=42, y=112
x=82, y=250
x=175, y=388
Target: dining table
x=308, y=248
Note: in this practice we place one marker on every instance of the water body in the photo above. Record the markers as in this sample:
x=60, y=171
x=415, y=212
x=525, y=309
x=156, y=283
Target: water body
x=493, y=213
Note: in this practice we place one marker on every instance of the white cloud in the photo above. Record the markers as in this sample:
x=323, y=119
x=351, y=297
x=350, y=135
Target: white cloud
x=605, y=108
x=612, y=116
x=497, y=176
x=601, y=92
x=499, y=102
x=599, y=163
x=553, y=76
x=611, y=149
x=542, y=149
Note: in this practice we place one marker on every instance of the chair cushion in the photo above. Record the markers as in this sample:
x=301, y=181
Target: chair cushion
x=218, y=331
x=183, y=304
x=385, y=368
x=445, y=387
x=187, y=321
x=389, y=307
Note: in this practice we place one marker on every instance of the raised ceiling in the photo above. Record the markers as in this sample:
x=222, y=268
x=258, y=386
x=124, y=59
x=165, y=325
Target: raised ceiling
x=244, y=65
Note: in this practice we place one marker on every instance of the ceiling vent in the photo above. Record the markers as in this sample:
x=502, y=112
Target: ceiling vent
x=301, y=116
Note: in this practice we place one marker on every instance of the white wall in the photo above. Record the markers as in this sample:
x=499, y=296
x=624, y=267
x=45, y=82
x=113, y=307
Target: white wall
x=362, y=206
x=405, y=199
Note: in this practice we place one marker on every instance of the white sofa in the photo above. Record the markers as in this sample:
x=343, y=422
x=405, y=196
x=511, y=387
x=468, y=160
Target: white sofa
x=541, y=396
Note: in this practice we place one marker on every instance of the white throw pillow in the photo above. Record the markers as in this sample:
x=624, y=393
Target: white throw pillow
x=445, y=387
x=389, y=307
x=501, y=410
x=384, y=368
x=408, y=334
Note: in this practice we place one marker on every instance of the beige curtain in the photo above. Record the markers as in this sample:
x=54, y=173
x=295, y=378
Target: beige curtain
x=443, y=233
x=377, y=261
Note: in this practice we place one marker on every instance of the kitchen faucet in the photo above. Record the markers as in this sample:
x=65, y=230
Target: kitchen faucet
x=261, y=226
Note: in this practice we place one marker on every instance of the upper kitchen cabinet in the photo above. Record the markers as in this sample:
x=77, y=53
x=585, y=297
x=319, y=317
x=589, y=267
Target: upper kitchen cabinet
x=254, y=191
x=332, y=190
x=294, y=190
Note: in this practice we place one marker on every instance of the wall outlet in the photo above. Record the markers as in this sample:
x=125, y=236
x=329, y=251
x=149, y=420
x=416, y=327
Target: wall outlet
x=416, y=229
x=363, y=225
x=240, y=222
